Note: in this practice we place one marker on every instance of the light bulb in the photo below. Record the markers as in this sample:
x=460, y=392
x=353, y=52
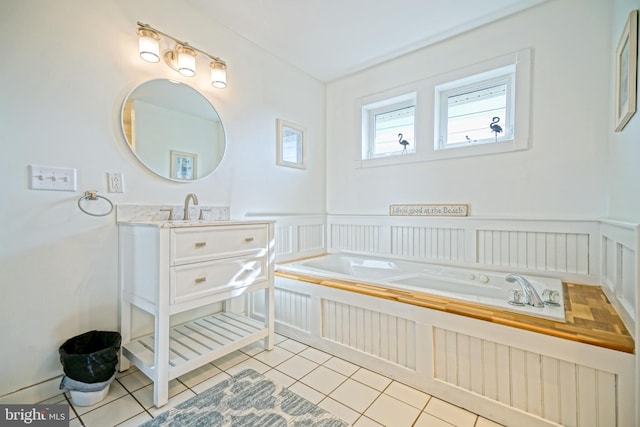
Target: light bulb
x=218, y=74
x=186, y=61
x=148, y=45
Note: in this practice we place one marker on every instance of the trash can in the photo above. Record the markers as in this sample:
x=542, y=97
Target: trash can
x=89, y=362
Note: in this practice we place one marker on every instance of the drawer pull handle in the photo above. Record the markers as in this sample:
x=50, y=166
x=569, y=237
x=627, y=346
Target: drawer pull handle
x=248, y=239
x=201, y=279
x=201, y=244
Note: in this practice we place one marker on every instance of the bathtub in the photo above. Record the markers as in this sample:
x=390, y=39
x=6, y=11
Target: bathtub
x=488, y=288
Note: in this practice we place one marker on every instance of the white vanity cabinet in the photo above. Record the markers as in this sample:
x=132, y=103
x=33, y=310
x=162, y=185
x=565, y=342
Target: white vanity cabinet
x=169, y=268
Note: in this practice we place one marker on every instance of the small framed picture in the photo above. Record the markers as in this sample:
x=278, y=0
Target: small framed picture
x=184, y=166
x=290, y=145
x=626, y=72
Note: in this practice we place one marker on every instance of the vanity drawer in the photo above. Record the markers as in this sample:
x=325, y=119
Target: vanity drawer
x=207, y=278
x=194, y=244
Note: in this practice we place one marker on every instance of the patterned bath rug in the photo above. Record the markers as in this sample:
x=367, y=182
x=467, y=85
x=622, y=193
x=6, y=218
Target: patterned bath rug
x=247, y=399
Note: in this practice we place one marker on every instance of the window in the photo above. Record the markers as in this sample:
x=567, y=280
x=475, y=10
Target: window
x=476, y=110
x=290, y=144
x=483, y=108
x=389, y=127
x=470, y=103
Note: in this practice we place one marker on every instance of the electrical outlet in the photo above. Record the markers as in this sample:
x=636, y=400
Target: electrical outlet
x=52, y=178
x=116, y=182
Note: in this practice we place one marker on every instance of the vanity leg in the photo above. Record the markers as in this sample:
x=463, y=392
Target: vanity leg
x=124, y=308
x=269, y=316
x=161, y=355
x=125, y=333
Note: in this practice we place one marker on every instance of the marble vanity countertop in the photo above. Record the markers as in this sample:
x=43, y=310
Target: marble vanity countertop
x=191, y=223
x=156, y=214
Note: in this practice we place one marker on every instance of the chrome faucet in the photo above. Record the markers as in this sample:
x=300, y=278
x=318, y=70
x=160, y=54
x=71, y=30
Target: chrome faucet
x=531, y=295
x=190, y=196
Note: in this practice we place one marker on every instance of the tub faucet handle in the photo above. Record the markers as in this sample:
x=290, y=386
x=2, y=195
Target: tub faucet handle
x=532, y=297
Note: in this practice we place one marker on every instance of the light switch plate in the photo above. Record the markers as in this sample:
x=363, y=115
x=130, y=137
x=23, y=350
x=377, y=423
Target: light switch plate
x=52, y=178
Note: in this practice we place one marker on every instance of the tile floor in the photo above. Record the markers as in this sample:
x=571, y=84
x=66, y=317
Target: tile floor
x=355, y=394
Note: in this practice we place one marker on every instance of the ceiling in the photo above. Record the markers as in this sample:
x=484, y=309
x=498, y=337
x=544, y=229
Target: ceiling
x=330, y=39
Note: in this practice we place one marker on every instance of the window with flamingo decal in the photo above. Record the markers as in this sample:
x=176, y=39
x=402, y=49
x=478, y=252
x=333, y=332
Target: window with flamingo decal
x=389, y=127
x=478, y=109
x=482, y=108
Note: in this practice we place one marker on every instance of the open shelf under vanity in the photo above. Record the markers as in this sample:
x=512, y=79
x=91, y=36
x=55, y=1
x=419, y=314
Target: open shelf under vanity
x=197, y=342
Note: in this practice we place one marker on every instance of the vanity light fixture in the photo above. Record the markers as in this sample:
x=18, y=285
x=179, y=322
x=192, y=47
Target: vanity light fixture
x=182, y=59
x=218, y=74
x=183, y=56
x=149, y=45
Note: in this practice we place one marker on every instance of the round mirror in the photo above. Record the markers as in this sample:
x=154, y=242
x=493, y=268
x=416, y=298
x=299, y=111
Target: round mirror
x=173, y=130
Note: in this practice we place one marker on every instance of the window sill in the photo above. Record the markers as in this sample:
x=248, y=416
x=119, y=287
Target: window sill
x=480, y=149
x=396, y=159
x=446, y=153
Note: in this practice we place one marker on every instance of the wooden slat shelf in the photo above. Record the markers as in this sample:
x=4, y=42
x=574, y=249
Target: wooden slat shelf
x=194, y=341
x=590, y=317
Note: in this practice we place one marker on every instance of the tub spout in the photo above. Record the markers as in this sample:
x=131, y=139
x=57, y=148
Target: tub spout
x=531, y=295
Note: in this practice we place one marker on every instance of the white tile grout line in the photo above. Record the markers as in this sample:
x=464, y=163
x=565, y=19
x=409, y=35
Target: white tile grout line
x=326, y=395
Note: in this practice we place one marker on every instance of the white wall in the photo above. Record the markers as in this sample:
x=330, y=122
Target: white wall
x=624, y=146
x=65, y=70
x=624, y=175
x=563, y=173
x=67, y=65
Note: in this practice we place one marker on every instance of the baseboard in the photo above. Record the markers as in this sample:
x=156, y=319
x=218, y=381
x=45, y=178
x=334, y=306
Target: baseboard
x=34, y=393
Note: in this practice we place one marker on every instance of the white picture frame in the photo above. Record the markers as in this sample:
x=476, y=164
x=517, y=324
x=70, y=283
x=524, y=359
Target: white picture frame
x=290, y=144
x=626, y=72
x=184, y=166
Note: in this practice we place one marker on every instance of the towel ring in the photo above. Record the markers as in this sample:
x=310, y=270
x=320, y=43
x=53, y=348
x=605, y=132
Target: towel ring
x=93, y=195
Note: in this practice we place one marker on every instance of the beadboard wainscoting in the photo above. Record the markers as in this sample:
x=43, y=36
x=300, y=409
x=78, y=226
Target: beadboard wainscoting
x=297, y=236
x=599, y=252
x=563, y=248
x=620, y=270
x=567, y=392
x=509, y=375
